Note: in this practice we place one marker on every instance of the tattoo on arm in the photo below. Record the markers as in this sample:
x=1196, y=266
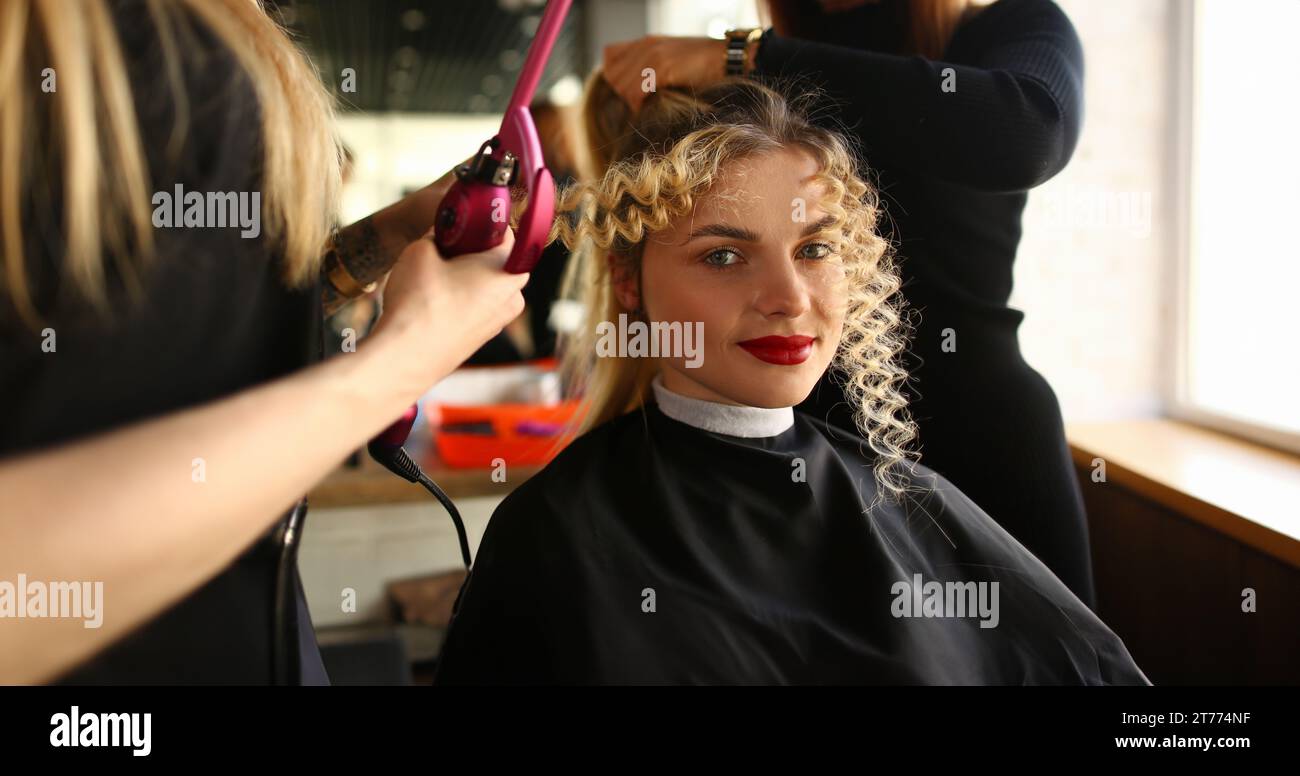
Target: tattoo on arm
x=359, y=250
x=331, y=300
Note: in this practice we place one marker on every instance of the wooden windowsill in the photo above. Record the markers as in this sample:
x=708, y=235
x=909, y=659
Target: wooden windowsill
x=1246, y=491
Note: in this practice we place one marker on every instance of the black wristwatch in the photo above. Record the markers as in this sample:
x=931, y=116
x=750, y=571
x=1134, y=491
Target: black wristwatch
x=737, y=43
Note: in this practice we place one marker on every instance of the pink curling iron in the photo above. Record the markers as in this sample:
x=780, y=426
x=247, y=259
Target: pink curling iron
x=475, y=213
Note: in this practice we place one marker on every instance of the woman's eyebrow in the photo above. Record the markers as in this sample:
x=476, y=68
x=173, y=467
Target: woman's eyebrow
x=745, y=235
x=724, y=230
x=826, y=222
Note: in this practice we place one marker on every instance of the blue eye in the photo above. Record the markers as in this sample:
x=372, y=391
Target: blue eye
x=824, y=253
x=711, y=261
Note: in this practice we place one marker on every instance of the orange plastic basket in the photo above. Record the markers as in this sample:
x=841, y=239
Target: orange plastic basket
x=509, y=440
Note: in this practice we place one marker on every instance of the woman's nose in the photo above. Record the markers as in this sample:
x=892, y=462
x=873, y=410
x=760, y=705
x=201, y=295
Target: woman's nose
x=782, y=290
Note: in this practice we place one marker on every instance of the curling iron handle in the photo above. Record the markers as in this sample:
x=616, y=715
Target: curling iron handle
x=460, y=230
x=472, y=218
x=396, y=434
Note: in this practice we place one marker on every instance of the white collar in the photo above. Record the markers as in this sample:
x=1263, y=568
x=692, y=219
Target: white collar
x=730, y=419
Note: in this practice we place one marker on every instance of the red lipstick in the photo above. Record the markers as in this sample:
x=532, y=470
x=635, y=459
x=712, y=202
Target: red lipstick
x=784, y=351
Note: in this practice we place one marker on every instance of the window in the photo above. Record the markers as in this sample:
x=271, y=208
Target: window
x=1239, y=279
x=701, y=17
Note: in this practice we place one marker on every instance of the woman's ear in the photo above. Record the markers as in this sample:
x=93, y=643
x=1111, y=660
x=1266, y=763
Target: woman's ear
x=624, y=281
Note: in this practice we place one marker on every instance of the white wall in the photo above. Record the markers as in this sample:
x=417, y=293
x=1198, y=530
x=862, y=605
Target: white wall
x=1095, y=286
x=399, y=151
x=362, y=549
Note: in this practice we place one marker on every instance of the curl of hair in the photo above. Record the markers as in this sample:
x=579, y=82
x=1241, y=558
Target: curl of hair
x=650, y=171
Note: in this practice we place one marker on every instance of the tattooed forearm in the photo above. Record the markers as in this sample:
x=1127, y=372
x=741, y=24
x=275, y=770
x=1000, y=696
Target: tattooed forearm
x=362, y=252
x=363, y=258
x=331, y=300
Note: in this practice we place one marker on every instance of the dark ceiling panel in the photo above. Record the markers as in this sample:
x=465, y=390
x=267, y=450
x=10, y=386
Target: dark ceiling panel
x=450, y=56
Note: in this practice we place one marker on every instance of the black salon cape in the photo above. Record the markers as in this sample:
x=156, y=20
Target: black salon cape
x=650, y=551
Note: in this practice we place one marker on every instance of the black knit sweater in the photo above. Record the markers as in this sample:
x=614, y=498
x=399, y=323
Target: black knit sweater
x=954, y=145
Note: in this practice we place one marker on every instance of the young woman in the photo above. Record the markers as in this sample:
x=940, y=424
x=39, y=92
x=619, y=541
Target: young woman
x=961, y=107
x=701, y=530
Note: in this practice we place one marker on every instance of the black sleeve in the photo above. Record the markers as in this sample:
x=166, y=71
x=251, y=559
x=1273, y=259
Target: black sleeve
x=1011, y=123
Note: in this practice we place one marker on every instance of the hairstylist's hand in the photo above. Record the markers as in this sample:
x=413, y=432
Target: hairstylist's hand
x=443, y=311
x=676, y=61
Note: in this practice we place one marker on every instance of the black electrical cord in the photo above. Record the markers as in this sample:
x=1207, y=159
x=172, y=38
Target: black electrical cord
x=286, y=668
x=286, y=662
x=396, y=460
x=433, y=488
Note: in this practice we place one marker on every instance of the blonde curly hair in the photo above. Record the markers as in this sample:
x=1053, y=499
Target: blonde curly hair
x=644, y=172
